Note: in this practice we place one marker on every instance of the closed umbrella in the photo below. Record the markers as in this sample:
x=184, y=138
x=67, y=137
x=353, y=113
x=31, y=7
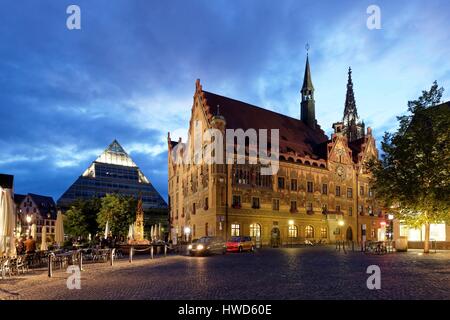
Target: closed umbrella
x=59, y=229
x=44, y=246
x=159, y=231
x=7, y=222
x=89, y=237
x=151, y=233
x=33, y=231
x=106, y=229
x=130, y=232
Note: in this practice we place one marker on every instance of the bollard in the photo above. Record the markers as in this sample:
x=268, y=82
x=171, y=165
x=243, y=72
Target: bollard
x=80, y=261
x=113, y=251
x=165, y=250
x=50, y=265
x=131, y=255
x=151, y=252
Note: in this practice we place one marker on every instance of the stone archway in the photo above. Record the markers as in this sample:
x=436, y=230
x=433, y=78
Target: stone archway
x=349, y=234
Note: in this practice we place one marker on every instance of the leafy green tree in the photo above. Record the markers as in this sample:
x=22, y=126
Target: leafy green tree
x=413, y=176
x=81, y=218
x=119, y=211
x=75, y=222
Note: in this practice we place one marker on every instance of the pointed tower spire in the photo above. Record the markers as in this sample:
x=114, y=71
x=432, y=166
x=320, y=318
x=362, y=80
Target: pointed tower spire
x=307, y=106
x=351, y=120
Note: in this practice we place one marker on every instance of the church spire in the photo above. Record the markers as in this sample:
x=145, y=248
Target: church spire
x=307, y=106
x=353, y=128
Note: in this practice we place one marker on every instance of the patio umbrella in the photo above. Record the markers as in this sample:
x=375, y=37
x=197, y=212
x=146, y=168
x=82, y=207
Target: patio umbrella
x=89, y=237
x=44, y=246
x=59, y=229
x=130, y=232
x=159, y=231
x=107, y=229
x=151, y=232
x=33, y=231
x=7, y=222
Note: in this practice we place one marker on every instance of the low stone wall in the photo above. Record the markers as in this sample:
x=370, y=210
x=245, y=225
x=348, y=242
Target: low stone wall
x=440, y=245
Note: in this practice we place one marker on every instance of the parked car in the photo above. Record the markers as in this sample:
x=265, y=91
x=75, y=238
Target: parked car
x=207, y=245
x=240, y=244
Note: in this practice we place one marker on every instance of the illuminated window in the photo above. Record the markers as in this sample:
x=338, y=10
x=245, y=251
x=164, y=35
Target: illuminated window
x=361, y=190
x=309, y=232
x=293, y=231
x=255, y=230
x=323, y=233
x=350, y=211
x=235, y=230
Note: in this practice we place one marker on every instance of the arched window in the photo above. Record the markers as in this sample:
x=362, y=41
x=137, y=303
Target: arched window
x=293, y=231
x=309, y=232
x=255, y=230
x=323, y=233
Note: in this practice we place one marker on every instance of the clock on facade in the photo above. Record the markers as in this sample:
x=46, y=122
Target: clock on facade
x=340, y=171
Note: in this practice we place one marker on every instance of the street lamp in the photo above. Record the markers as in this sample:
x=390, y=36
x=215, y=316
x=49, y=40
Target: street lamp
x=290, y=224
x=391, y=226
x=28, y=218
x=187, y=232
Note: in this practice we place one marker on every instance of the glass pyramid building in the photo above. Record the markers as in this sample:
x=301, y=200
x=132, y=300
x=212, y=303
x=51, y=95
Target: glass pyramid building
x=113, y=172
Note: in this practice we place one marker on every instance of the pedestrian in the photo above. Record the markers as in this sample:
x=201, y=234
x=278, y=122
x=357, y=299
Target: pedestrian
x=21, y=246
x=30, y=245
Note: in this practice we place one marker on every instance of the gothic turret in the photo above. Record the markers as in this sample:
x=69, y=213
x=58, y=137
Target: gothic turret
x=353, y=128
x=307, y=112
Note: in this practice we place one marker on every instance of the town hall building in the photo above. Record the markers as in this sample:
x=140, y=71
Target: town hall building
x=320, y=193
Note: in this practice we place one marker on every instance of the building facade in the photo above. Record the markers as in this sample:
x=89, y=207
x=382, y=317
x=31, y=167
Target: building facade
x=113, y=172
x=40, y=210
x=320, y=193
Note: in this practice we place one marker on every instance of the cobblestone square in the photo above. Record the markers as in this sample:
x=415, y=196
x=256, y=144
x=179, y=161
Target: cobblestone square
x=286, y=273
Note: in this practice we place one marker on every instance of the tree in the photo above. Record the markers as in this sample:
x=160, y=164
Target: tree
x=413, y=176
x=119, y=211
x=81, y=218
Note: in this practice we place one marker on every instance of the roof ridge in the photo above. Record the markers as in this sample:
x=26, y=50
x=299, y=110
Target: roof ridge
x=254, y=106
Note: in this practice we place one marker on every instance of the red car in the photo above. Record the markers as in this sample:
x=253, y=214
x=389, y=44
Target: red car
x=240, y=244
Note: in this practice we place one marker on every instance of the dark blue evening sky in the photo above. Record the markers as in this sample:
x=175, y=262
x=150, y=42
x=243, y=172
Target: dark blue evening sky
x=129, y=73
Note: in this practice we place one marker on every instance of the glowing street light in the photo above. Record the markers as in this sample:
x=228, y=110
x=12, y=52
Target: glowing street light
x=291, y=222
x=187, y=232
x=390, y=216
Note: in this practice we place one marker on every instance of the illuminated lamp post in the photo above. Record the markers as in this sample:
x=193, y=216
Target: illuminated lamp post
x=187, y=232
x=28, y=218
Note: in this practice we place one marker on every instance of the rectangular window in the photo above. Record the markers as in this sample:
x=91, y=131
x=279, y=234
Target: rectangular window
x=309, y=186
x=293, y=206
x=255, y=203
x=361, y=209
x=309, y=207
x=338, y=191
x=324, y=188
x=349, y=193
x=193, y=208
x=276, y=204
x=369, y=210
x=361, y=190
x=280, y=183
x=324, y=208
x=236, y=201
x=350, y=211
x=235, y=230
x=294, y=184
x=323, y=232
x=338, y=208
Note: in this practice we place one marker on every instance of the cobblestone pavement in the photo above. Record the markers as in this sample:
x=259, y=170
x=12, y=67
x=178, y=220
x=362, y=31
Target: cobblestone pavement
x=288, y=273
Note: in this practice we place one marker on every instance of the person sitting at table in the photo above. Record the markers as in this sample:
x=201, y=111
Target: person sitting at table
x=21, y=246
x=30, y=245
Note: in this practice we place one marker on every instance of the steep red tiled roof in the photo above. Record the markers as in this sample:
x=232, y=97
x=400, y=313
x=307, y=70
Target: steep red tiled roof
x=295, y=135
